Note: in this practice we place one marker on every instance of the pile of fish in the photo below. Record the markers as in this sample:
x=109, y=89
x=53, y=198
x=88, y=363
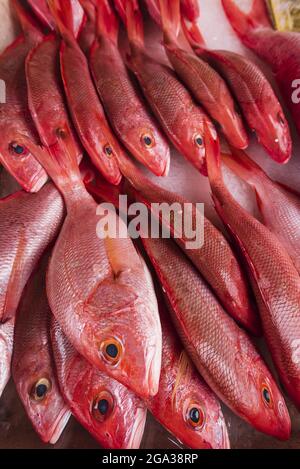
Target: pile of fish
x=105, y=328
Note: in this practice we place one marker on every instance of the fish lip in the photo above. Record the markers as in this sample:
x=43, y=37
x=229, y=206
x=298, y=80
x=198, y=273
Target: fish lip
x=59, y=425
x=138, y=429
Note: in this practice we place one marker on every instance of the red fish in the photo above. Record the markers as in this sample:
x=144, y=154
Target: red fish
x=15, y=119
x=180, y=117
x=98, y=289
x=41, y=10
x=128, y=115
x=88, y=33
x=185, y=405
x=280, y=49
x=279, y=206
x=29, y=222
x=33, y=368
x=223, y=354
x=261, y=108
x=189, y=8
x=85, y=107
x=275, y=280
x=6, y=348
x=206, y=85
x=113, y=415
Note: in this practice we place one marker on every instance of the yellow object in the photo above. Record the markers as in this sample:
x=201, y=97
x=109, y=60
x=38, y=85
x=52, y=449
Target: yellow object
x=285, y=14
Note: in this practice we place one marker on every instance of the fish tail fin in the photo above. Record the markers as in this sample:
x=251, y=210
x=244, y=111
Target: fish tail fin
x=170, y=16
x=243, y=22
x=68, y=16
x=29, y=26
x=154, y=10
x=193, y=35
x=213, y=154
x=134, y=22
x=240, y=163
x=59, y=161
x=190, y=9
x=107, y=21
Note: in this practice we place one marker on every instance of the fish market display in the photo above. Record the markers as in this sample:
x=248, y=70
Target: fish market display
x=33, y=367
x=280, y=49
x=149, y=267
x=132, y=122
x=106, y=408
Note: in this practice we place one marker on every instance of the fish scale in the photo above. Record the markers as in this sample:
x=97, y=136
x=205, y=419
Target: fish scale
x=235, y=372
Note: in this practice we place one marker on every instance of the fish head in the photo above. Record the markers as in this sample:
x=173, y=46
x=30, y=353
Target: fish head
x=268, y=409
x=20, y=162
x=37, y=386
x=273, y=132
x=111, y=413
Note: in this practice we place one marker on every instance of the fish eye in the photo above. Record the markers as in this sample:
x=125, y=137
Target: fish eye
x=148, y=140
x=17, y=149
x=61, y=133
x=195, y=416
x=266, y=395
x=108, y=150
x=40, y=389
x=198, y=140
x=102, y=406
x=111, y=350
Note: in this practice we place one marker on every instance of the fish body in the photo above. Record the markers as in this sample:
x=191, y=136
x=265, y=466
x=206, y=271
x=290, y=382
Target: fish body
x=280, y=49
x=15, y=119
x=86, y=110
x=29, y=222
x=182, y=120
x=45, y=96
x=33, y=367
x=113, y=415
x=235, y=372
x=275, y=280
x=185, y=405
x=206, y=85
x=126, y=110
x=280, y=207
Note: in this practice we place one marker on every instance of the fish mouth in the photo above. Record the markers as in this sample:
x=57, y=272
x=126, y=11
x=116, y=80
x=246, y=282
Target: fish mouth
x=59, y=425
x=138, y=429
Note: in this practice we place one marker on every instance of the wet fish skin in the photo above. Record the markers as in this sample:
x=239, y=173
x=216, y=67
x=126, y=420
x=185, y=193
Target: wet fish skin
x=275, y=280
x=83, y=386
x=15, y=119
x=204, y=82
x=280, y=49
x=181, y=389
x=29, y=222
x=32, y=363
x=124, y=105
x=88, y=32
x=236, y=372
x=279, y=206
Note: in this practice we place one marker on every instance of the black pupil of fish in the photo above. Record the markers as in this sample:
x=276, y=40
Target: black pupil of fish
x=18, y=149
x=41, y=390
x=194, y=415
x=112, y=350
x=266, y=395
x=147, y=141
x=108, y=150
x=199, y=141
x=103, y=406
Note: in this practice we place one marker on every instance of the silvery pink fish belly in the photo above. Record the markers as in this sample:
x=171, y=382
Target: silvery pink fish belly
x=125, y=107
x=113, y=415
x=6, y=346
x=33, y=367
x=181, y=119
x=223, y=354
x=185, y=405
x=15, y=119
x=280, y=49
x=29, y=223
x=279, y=206
x=206, y=85
x=85, y=108
x=275, y=280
